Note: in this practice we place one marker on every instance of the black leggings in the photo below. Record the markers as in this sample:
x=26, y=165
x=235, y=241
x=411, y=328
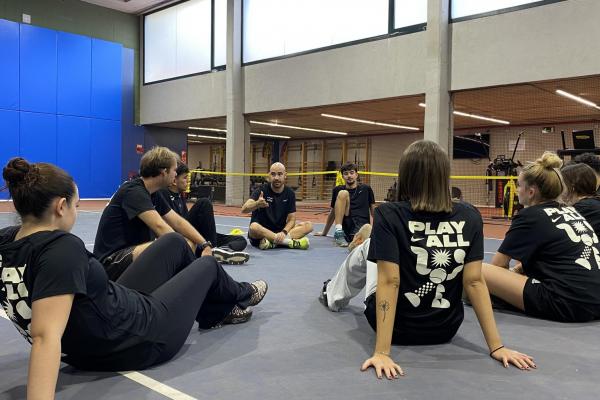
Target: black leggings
x=202, y=217
x=183, y=289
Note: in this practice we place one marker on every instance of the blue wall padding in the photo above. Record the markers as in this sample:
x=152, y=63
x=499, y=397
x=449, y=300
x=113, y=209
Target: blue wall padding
x=106, y=79
x=74, y=74
x=9, y=65
x=61, y=99
x=73, y=150
x=9, y=139
x=38, y=69
x=37, y=141
x=106, y=157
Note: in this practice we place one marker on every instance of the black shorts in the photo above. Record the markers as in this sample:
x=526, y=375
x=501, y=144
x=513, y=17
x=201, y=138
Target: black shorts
x=542, y=303
x=351, y=225
x=254, y=242
x=116, y=263
x=410, y=336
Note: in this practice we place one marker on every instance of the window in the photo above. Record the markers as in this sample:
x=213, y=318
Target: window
x=465, y=8
x=409, y=13
x=220, y=55
x=274, y=28
x=177, y=41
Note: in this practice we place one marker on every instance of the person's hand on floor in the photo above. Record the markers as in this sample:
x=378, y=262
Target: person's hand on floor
x=507, y=356
x=383, y=365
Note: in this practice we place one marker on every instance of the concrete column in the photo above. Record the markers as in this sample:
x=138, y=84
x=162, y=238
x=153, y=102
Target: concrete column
x=438, y=113
x=237, y=150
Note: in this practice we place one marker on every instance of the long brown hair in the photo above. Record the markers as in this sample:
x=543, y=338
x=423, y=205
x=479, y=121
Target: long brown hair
x=424, y=177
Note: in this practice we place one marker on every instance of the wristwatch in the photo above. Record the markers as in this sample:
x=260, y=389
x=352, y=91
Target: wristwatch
x=284, y=231
x=206, y=244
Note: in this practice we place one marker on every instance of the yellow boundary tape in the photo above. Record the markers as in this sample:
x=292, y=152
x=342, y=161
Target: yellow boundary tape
x=388, y=174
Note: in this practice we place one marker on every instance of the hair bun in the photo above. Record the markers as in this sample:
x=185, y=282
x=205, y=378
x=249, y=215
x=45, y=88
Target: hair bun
x=17, y=171
x=550, y=160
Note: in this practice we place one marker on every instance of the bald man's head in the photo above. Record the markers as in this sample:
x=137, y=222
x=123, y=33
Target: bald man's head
x=277, y=176
x=277, y=167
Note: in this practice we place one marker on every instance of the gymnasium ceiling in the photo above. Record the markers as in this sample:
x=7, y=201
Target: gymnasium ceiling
x=524, y=104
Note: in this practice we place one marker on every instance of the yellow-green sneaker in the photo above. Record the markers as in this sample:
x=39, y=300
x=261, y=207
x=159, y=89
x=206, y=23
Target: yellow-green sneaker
x=266, y=244
x=301, y=244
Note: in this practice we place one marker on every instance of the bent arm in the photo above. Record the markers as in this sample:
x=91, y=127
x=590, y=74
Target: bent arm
x=155, y=222
x=249, y=206
x=48, y=321
x=501, y=260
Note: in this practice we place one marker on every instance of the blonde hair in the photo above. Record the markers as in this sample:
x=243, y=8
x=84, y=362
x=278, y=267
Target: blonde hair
x=424, y=177
x=544, y=174
x=155, y=159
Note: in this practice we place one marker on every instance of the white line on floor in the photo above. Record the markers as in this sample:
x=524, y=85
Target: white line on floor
x=157, y=386
x=232, y=226
x=146, y=381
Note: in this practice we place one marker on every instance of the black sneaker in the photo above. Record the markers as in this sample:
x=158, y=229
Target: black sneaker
x=237, y=316
x=323, y=295
x=230, y=257
x=260, y=290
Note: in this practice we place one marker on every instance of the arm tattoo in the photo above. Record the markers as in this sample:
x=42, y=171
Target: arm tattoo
x=384, y=306
x=396, y=282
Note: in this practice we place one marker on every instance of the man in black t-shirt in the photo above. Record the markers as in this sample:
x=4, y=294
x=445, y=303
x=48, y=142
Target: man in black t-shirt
x=273, y=208
x=352, y=207
x=228, y=248
x=131, y=220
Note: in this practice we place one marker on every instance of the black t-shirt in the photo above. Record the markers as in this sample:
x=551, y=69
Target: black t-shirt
x=106, y=318
x=281, y=204
x=558, y=247
x=119, y=225
x=175, y=201
x=590, y=209
x=431, y=250
x=361, y=198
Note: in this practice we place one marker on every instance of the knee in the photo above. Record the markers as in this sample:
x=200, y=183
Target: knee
x=343, y=195
x=173, y=239
x=204, y=204
x=308, y=226
x=254, y=227
x=207, y=264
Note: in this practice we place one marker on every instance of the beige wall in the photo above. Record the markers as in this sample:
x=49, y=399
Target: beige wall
x=199, y=152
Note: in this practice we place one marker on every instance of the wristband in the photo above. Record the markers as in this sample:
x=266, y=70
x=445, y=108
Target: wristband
x=493, y=351
x=284, y=231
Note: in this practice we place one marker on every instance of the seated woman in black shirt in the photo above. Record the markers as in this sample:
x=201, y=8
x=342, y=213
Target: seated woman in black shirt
x=427, y=249
x=580, y=192
x=60, y=299
x=556, y=250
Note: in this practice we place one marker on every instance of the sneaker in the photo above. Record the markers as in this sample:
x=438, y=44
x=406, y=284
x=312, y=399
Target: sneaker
x=230, y=257
x=260, y=290
x=340, y=238
x=266, y=244
x=323, y=295
x=363, y=234
x=301, y=244
x=237, y=316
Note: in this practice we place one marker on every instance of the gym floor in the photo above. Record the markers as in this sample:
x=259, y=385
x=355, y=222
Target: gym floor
x=294, y=348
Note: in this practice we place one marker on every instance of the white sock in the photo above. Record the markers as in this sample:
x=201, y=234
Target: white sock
x=338, y=227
